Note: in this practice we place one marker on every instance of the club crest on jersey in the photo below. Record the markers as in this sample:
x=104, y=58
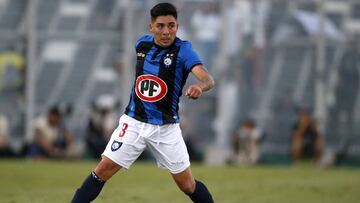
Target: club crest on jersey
x=168, y=60
x=115, y=145
x=150, y=88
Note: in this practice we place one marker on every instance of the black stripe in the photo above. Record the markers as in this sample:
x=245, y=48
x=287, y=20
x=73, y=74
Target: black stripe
x=167, y=73
x=142, y=48
x=155, y=54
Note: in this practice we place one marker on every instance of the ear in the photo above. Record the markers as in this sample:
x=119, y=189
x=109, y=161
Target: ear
x=150, y=26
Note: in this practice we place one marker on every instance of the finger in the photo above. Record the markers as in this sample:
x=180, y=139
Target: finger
x=189, y=92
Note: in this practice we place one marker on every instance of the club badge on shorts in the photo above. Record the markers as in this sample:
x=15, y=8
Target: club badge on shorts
x=115, y=145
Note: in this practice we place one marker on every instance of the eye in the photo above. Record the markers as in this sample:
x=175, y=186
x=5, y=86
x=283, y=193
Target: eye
x=173, y=26
x=159, y=26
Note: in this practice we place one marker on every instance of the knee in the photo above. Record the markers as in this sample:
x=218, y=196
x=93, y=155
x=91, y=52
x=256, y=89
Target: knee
x=187, y=187
x=106, y=169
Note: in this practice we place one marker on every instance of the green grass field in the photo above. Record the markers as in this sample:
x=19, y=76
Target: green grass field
x=54, y=182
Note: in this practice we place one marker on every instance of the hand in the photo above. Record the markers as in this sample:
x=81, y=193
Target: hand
x=193, y=92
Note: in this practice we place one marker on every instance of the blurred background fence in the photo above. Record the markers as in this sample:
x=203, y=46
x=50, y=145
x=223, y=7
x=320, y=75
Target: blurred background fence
x=269, y=58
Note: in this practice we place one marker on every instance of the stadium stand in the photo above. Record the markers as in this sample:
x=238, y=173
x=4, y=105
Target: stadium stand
x=79, y=43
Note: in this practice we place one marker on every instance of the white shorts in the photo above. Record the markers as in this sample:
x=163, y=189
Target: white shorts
x=165, y=142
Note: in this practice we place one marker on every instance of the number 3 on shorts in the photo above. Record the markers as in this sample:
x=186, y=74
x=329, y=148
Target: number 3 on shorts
x=123, y=129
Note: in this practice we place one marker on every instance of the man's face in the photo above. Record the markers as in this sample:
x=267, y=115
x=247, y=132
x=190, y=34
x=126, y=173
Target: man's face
x=304, y=116
x=54, y=119
x=164, y=29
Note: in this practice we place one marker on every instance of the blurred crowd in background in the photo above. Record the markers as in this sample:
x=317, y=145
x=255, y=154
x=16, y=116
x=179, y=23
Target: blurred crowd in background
x=287, y=75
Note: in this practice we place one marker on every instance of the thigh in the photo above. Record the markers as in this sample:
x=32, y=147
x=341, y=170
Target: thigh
x=125, y=144
x=169, y=149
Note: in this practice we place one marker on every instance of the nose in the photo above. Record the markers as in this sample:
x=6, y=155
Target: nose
x=166, y=31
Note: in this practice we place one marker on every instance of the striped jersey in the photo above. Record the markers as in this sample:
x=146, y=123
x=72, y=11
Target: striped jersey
x=160, y=76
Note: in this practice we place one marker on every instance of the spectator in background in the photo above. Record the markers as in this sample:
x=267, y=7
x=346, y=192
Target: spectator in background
x=206, y=26
x=247, y=143
x=12, y=81
x=12, y=69
x=101, y=125
x=51, y=139
x=5, y=148
x=307, y=141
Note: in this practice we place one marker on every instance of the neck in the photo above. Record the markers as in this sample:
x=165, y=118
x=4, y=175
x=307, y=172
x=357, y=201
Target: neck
x=157, y=45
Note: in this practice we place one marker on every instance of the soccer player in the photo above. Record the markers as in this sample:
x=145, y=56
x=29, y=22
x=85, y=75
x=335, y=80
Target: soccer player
x=151, y=118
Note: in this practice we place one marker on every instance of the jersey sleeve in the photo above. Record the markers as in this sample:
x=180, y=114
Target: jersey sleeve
x=189, y=56
x=143, y=38
x=137, y=43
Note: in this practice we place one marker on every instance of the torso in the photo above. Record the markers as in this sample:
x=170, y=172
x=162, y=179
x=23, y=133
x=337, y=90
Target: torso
x=160, y=76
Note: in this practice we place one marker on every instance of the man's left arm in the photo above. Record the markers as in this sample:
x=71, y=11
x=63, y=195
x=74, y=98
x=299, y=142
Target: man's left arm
x=205, y=82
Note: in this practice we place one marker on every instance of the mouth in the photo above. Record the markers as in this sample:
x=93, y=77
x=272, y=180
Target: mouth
x=165, y=40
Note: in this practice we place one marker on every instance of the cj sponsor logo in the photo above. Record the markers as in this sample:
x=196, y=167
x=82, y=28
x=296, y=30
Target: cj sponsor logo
x=150, y=88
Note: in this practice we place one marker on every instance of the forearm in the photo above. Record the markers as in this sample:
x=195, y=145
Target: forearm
x=206, y=83
x=69, y=138
x=44, y=145
x=3, y=141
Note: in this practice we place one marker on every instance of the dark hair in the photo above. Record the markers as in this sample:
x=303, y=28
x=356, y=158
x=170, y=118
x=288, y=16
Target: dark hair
x=163, y=9
x=54, y=111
